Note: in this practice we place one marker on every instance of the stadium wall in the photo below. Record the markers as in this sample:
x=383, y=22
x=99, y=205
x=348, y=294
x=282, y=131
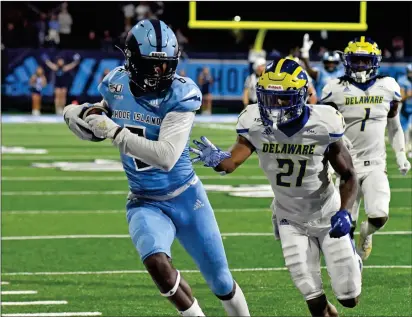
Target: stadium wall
x=19, y=64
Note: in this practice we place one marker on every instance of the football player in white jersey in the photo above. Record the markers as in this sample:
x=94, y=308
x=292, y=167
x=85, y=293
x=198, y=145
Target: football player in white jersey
x=294, y=142
x=369, y=104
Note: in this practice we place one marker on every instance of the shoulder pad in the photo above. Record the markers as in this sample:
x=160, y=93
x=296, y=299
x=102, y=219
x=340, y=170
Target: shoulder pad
x=185, y=95
x=249, y=117
x=113, y=83
x=332, y=120
x=392, y=87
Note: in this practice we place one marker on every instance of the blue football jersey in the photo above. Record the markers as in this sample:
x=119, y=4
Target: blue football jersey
x=143, y=116
x=324, y=77
x=406, y=84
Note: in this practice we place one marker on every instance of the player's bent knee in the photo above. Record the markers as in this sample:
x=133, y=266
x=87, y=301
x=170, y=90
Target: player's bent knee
x=378, y=222
x=158, y=266
x=221, y=282
x=349, y=303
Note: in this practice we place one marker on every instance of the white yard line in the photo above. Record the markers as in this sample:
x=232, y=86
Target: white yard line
x=112, y=192
x=123, y=178
x=38, y=302
x=64, y=314
x=126, y=236
x=187, y=271
x=18, y=292
x=119, y=211
x=4, y=283
x=122, y=211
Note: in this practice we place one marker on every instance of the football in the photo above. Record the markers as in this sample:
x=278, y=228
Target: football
x=87, y=111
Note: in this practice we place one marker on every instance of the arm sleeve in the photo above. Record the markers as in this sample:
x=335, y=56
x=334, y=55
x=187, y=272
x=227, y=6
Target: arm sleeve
x=396, y=91
x=395, y=134
x=165, y=152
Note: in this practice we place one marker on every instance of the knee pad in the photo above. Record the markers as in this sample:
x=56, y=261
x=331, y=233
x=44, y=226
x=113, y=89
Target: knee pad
x=221, y=282
x=349, y=303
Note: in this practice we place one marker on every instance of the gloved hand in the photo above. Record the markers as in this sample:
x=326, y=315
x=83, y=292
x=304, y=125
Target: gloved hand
x=44, y=57
x=341, y=223
x=76, y=57
x=78, y=126
x=306, y=46
x=102, y=126
x=208, y=153
x=403, y=163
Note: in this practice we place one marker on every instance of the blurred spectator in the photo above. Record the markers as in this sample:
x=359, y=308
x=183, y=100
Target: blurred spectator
x=41, y=26
x=92, y=41
x=143, y=10
x=398, y=47
x=65, y=22
x=128, y=11
x=10, y=38
x=62, y=79
x=37, y=83
x=249, y=90
x=205, y=82
x=157, y=7
x=107, y=42
x=53, y=38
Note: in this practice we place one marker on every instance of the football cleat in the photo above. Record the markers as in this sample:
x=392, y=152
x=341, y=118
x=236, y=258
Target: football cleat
x=364, y=246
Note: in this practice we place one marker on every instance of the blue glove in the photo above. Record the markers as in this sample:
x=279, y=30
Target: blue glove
x=208, y=153
x=341, y=224
x=44, y=57
x=76, y=57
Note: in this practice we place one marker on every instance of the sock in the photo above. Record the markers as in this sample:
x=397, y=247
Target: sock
x=193, y=310
x=370, y=228
x=236, y=306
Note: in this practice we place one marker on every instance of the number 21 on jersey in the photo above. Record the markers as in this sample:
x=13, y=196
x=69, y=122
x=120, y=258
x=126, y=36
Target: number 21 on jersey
x=290, y=165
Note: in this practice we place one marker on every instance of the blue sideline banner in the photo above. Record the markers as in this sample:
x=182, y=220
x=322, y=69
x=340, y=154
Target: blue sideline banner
x=229, y=75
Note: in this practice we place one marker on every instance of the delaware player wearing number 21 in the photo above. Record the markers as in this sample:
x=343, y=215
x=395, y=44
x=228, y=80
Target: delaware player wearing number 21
x=369, y=103
x=153, y=110
x=294, y=142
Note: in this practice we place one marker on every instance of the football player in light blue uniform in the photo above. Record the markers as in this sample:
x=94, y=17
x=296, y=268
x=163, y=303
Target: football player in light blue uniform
x=405, y=82
x=152, y=113
x=332, y=67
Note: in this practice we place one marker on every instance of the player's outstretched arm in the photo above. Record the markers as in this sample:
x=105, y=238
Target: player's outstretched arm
x=397, y=138
x=341, y=162
x=306, y=46
x=222, y=161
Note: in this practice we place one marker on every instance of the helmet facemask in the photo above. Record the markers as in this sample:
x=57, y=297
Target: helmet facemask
x=362, y=67
x=280, y=107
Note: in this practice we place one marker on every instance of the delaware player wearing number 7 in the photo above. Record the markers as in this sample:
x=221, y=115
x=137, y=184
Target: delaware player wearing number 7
x=294, y=142
x=368, y=103
x=153, y=110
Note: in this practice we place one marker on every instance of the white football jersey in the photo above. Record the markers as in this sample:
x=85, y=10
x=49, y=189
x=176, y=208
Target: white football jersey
x=296, y=166
x=365, y=114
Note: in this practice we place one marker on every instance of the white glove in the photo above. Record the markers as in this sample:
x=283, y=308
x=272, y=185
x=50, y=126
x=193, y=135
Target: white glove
x=102, y=126
x=78, y=126
x=307, y=44
x=403, y=163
